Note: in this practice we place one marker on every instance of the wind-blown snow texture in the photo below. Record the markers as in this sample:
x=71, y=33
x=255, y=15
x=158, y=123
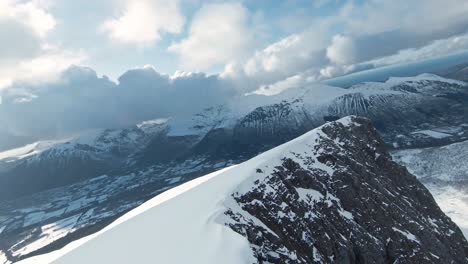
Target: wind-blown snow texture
x=331, y=195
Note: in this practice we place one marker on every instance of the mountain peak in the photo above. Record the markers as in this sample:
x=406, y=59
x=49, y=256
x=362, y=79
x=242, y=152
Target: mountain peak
x=337, y=196
x=331, y=195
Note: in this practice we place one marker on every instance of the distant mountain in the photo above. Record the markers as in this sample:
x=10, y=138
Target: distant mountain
x=79, y=185
x=333, y=195
x=409, y=112
x=459, y=73
x=47, y=164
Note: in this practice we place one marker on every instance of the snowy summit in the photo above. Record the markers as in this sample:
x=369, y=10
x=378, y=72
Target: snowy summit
x=277, y=206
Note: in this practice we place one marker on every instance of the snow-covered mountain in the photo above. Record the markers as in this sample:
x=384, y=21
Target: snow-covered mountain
x=409, y=112
x=332, y=195
x=47, y=164
x=105, y=173
x=50, y=219
x=420, y=111
x=444, y=171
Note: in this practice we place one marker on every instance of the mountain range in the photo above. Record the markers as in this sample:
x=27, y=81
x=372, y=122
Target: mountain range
x=57, y=191
x=332, y=195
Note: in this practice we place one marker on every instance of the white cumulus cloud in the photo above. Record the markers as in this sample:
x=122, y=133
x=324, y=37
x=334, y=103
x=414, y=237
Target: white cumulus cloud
x=359, y=36
x=341, y=50
x=22, y=29
x=218, y=34
x=24, y=49
x=142, y=22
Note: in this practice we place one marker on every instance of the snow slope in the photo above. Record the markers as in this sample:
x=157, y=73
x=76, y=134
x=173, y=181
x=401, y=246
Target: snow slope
x=103, y=140
x=395, y=103
x=192, y=222
x=187, y=213
x=26, y=151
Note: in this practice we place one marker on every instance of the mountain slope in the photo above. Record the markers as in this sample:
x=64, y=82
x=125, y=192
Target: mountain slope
x=444, y=171
x=48, y=164
x=418, y=111
x=445, y=163
x=333, y=194
x=105, y=174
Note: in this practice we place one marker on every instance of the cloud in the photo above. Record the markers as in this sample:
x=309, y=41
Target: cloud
x=322, y=3
x=342, y=50
x=22, y=29
x=421, y=17
x=286, y=55
x=17, y=40
x=80, y=100
x=142, y=22
x=434, y=49
x=359, y=36
x=280, y=86
x=31, y=14
x=219, y=33
x=289, y=56
x=24, y=50
x=43, y=67
x=382, y=28
x=331, y=71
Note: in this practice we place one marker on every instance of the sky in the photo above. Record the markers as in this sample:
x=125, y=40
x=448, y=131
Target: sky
x=263, y=40
x=221, y=47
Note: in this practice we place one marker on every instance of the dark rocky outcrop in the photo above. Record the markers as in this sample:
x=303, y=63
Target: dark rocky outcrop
x=344, y=200
x=404, y=113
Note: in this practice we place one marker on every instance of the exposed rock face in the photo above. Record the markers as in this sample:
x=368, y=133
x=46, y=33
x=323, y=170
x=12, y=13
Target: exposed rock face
x=343, y=200
x=421, y=111
x=410, y=112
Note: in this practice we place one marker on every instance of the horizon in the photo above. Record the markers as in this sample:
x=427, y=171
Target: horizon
x=249, y=41
x=233, y=131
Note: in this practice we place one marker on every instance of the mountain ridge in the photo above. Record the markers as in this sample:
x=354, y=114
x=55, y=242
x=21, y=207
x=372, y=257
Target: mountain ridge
x=225, y=226
x=425, y=110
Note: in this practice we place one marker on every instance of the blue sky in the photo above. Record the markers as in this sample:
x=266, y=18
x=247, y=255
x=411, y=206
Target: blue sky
x=175, y=57
x=251, y=39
